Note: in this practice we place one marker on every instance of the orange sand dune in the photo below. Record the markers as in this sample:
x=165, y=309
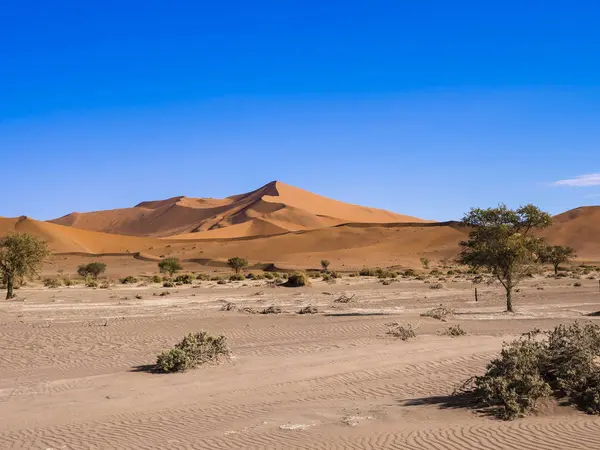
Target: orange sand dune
x=277, y=206
x=578, y=228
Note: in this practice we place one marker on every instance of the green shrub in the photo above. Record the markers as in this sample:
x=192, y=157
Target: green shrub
x=562, y=364
x=203, y=277
x=297, y=279
x=183, y=279
x=67, y=282
x=237, y=277
x=367, y=272
x=269, y=276
x=93, y=269
x=91, y=283
x=157, y=279
x=52, y=283
x=410, y=273
x=169, y=266
x=128, y=280
x=192, y=351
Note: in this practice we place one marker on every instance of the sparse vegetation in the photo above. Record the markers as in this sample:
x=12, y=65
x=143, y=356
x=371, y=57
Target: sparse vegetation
x=128, y=280
x=455, y=331
x=168, y=284
x=425, y=262
x=192, y=351
x=439, y=313
x=93, y=269
x=183, y=279
x=325, y=264
x=557, y=255
x=344, y=298
x=52, y=283
x=203, y=277
x=237, y=277
x=559, y=363
x=21, y=254
x=157, y=279
x=297, y=279
x=229, y=306
x=436, y=286
x=404, y=332
x=237, y=264
x=500, y=241
x=169, y=266
x=308, y=310
x=367, y=272
x=271, y=310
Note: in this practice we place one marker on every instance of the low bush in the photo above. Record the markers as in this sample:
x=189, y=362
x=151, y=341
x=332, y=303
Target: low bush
x=229, y=306
x=157, y=279
x=168, y=284
x=269, y=276
x=297, y=279
x=271, y=310
x=52, y=283
x=436, y=286
x=439, y=313
x=91, y=283
x=183, y=279
x=192, y=351
x=128, y=280
x=367, y=272
x=410, y=273
x=237, y=277
x=455, y=331
x=559, y=363
x=203, y=277
x=577, y=284
x=308, y=310
x=68, y=282
x=222, y=281
x=403, y=332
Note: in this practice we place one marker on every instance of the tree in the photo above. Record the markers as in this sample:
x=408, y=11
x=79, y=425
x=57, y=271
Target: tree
x=425, y=262
x=169, y=266
x=500, y=241
x=556, y=255
x=237, y=264
x=21, y=255
x=325, y=264
x=93, y=269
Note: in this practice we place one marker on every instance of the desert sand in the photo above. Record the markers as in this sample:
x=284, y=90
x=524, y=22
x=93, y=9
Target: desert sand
x=75, y=367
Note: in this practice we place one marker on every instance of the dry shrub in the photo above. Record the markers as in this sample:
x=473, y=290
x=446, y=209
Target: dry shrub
x=157, y=279
x=128, y=280
x=229, y=306
x=308, y=310
x=436, y=286
x=439, y=313
x=52, y=283
x=271, y=310
x=183, y=279
x=455, y=331
x=559, y=363
x=192, y=351
x=221, y=281
x=237, y=277
x=404, y=332
x=344, y=298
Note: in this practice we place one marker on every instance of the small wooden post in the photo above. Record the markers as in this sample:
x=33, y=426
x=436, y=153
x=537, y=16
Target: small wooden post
x=476, y=298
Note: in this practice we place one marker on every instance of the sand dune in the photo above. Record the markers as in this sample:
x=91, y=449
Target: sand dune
x=578, y=228
x=284, y=207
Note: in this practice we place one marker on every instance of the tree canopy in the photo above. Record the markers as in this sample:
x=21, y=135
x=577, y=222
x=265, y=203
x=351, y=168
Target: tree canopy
x=501, y=241
x=21, y=254
x=237, y=264
x=93, y=269
x=169, y=266
x=556, y=255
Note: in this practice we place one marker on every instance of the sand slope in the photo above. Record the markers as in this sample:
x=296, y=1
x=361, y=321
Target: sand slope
x=276, y=207
x=578, y=228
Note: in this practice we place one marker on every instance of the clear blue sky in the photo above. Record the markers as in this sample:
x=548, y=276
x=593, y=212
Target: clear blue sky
x=425, y=108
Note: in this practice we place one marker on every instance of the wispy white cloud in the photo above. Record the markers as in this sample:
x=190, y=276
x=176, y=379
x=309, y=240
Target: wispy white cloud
x=591, y=179
x=592, y=196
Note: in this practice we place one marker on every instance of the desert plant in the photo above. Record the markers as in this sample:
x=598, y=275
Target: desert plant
x=269, y=276
x=557, y=255
x=237, y=264
x=222, y=281
x=436, y=286
x=308, y=310
x=169, y=266
x=410, y=273
x=93, y=269
x=367, y=272
x=439, y=313
x=455, y=331
x=183, y=279
x=297, y=279
x=577, y=284
x=52, y=283
x=157, y=279
x=168, y=284
x=425, y=262
x=237, y=277
x=128, y=280
x=203, y=277
x=21, y=254
x=192, y=351
x=271, y=310
x=403, y=332
x=344, y=298
x=500, y=241
x=229, y=306
x=91, y=282
x=325, y=264
x=67, y=282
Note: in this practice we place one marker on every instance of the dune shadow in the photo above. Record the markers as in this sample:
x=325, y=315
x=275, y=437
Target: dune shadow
x=464, y=400
x=146, y=368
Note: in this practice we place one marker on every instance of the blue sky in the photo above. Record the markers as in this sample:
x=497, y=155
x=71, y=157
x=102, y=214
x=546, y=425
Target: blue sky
x=425, y=108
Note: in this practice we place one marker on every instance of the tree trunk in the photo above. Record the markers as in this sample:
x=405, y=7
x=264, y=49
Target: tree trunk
x=509, y=288
x=556, y=270
x=9, y=288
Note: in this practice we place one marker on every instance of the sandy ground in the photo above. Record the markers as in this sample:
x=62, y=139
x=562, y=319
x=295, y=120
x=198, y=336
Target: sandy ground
x=74, y=368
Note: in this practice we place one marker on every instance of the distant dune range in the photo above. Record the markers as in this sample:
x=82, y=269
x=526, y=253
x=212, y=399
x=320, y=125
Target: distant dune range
x=277, y=224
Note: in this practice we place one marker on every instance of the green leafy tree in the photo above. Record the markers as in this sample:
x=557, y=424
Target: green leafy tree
x=557, y=255
x=325, y=264
x=501, y=241
x=425, y=262
x=93, y=269
x=169, y=266
x=237, y=264
x=21, y=255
